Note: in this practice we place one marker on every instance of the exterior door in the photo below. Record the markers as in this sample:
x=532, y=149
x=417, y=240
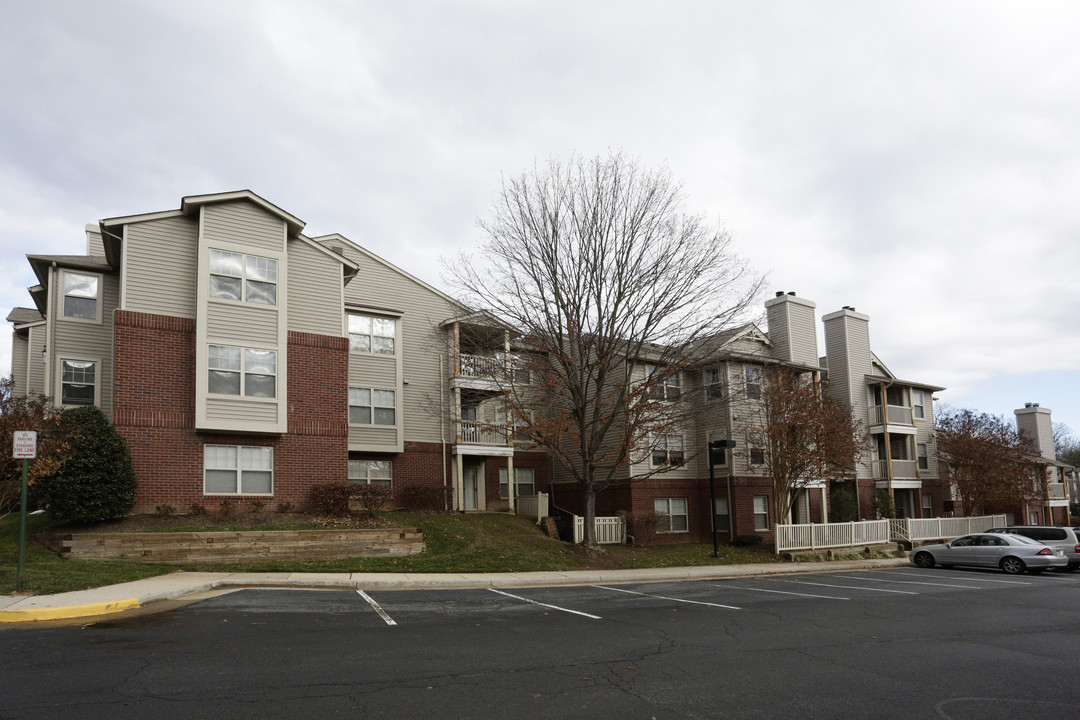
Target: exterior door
x=469, y=482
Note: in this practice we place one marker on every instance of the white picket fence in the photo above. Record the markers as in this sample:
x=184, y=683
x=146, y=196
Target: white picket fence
x=606, y=530
x=819, y=536
x=916, y=529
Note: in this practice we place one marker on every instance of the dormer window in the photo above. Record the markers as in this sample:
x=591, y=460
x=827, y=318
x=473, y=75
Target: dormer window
x=236, y=276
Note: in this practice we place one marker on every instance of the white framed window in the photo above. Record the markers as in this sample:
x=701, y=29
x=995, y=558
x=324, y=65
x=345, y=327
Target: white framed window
x=761, y=512
x=757, y=456
x=663, y=387
x=238, y=470
x=78, y=382
x=370, y=406
x=713, y=379
x=667, y=450
x=522, y=422
x=82, y=295
x=371, y=334
x=249, y=372
x=524, y=482
x=371, y=472
x=752, y=376
x=920, y=451
x=917, y=401
x=721, y=518
x=236, y=276
x=927, y=505
x=676, y=518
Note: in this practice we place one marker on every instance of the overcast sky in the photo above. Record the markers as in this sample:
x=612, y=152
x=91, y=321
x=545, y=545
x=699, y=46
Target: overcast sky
x=916, y=160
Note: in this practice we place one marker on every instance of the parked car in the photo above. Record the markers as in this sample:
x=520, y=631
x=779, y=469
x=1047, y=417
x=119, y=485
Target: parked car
x=1010, y=552
x=1063, y=536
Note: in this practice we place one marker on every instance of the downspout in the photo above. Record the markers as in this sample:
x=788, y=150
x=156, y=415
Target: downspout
x=50, y=336
x=731, y=466
x=442, y=427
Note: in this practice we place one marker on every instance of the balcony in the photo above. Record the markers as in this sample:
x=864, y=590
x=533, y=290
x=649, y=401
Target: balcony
x=890, y=415
x=1056, y=491
x=901, y=469
x=481, y=366
x=477, y=433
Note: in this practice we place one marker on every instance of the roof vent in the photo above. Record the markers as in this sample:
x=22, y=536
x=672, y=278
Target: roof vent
x=791, y=294
x=779, y=293
x=1027, y=405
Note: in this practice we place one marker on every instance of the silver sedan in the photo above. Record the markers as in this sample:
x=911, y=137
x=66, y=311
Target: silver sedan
x=1012, y=553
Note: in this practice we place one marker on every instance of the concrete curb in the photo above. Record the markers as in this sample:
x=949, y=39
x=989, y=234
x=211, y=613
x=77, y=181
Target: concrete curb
x=138, y=593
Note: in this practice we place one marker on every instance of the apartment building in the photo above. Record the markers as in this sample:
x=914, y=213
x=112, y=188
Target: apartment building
x=1054, y=481
x=242, y=359
x=896, y=415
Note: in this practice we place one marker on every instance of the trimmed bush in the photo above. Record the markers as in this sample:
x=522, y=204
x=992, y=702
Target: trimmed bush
x=371, y=498
x=746, y=540
x=330, y=498
x=95, y=481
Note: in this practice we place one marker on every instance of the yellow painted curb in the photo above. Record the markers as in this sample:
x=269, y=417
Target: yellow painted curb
x=67, y=612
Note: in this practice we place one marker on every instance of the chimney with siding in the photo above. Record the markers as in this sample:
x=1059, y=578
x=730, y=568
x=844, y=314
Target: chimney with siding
x=792, y=328
x=847, y=353
x=1033, y=422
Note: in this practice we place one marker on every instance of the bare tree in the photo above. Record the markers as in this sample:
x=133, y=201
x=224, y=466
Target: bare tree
x=799, y=437
x=1066, y=445
x=986, y=459
x=597, y=265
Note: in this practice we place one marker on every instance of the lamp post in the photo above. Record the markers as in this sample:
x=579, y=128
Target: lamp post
x=717, y=452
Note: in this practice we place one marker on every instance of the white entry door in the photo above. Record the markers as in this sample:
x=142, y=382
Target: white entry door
x=469, y=487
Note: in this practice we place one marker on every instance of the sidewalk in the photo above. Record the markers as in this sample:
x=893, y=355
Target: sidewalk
x=131, y=595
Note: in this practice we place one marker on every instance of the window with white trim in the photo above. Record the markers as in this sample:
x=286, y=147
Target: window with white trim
x=920, y=452
x=249, y=372
x=524, y=482
x=369, y=406
x=752, y=376
x=665, y=384
x=761, y=512
x=236, y=276
x=917, y=401
x=675, y=516
x=927, y=505
x=713, y=379
x=721, y=518
x=667, y=450
x=371, y=472
x=78, y=382
x=523, y=419
x=238, y=470
x=368, y=333
x=82, y=295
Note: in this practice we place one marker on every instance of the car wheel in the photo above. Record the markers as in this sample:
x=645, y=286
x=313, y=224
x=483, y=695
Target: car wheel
x=1013, y=565
x=924, y=559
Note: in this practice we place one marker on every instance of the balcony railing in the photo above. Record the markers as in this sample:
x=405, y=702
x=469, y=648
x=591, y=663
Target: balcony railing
x=1057, y=491
x=905, y=469
x=480, y=366
x=895, y=414
x=476, y=433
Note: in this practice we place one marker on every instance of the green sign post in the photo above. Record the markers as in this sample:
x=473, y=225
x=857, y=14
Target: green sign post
x=24, y=447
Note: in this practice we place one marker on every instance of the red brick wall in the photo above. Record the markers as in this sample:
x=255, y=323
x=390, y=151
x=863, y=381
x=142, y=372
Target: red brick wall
x=154, y=409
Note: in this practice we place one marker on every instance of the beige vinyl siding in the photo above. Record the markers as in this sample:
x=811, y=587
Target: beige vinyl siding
x=35, y=371
x=712, y=416
x=373, y=438
x=803, y=338
x=314, y=291
x=244, y=224
x=161, y=266
x=233, y=323
x=19, y=348
x=240, y=413
x=94, y=246
x=425, y=371
x=81, y=340
x=377, y=371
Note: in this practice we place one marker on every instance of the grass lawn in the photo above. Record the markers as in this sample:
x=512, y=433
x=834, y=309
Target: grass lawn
x=483, y=542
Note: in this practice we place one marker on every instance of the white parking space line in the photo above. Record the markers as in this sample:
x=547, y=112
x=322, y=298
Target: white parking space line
x=849, y=587
x=375, y=606
x=782, y=592
x=908, y=582
x=664, y=597
x=553, y=607
x=978, y=579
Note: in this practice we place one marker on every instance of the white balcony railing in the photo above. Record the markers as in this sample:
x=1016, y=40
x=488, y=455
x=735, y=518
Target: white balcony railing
x=480, y=366
x=475, y=433
x=901, y=469
x=896, y=415
x=1057, y=491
